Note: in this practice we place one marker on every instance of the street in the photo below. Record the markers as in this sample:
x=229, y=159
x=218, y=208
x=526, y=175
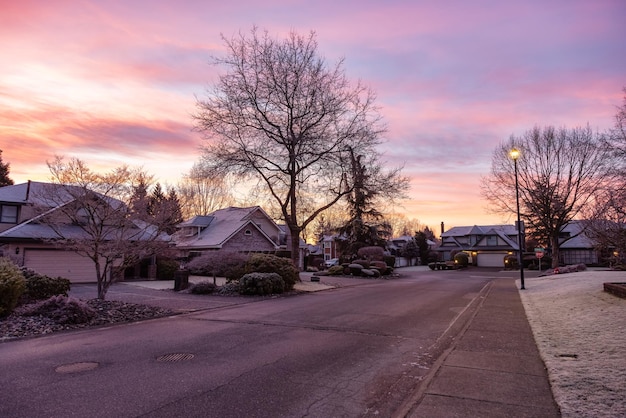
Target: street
x=352, y=351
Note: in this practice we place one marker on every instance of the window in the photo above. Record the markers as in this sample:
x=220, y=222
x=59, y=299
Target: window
x=9, y=214
x=492, y=240
x=248, y=232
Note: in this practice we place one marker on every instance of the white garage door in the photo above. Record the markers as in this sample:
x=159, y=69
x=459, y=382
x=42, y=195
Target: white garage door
x=491, y=259
x=59, y=263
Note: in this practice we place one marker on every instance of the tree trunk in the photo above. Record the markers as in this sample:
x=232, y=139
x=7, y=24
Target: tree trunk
x=554, y=241
x=295, y=245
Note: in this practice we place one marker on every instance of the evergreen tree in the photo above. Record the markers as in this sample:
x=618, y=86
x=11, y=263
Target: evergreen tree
x=366, y=226
x=421, y=239
x=4, y=173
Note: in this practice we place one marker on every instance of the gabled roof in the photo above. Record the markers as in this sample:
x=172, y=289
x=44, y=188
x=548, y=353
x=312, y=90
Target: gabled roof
x=218, y=227
x=51, y=197
x=461, y=231
x=33, y=192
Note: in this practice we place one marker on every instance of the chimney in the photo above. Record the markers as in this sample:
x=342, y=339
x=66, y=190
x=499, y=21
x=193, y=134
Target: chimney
x=442, y=228
x=27, y=191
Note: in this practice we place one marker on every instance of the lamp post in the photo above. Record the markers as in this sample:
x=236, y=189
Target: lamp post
x=515, y=154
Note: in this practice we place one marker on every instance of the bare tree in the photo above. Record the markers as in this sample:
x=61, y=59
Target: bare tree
x=560, y=172
x=201, y=192
x=281, y=115
x=606, y=218
x=91, y=214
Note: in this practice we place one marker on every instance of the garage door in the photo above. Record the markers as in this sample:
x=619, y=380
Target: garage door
x=491, y=259
x=59, y=263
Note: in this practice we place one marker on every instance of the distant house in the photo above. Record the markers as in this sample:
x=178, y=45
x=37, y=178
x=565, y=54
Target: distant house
x=487, y=245
x=231, y=229
x=27, y=240
x=576, y=247
x=330, y=247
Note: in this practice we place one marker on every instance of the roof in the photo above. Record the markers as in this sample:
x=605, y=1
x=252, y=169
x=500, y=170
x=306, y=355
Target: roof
x=219, y=226
x=461, y=231
x=51, y=196
x=32, y=192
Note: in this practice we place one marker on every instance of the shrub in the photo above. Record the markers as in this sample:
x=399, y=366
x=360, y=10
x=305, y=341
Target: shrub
x=267, y=263
x=335, y=270
x=64, y=310
x=371, y=253
x=461, y=259
x=390, y=260
x=203, y=288
x=364, y=263
x=166, y=267
x=228, y=264
x=355, y=269
x=40, y=286
x=12, y=285
x=261, y=284
x=510, y=261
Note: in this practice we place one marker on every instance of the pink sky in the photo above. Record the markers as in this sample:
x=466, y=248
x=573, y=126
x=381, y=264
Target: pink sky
x=114, y=82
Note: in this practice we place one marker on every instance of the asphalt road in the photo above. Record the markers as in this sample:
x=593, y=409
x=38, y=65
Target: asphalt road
x=353, y=351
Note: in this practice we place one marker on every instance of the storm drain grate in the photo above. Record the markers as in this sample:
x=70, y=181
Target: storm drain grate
x=568, y=356
x=174, y=357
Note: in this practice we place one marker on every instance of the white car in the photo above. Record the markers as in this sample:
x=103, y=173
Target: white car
x=331, y=262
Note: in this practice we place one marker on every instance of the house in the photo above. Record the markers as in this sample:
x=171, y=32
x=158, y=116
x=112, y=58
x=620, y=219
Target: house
x=330, y=247
x=487, y=245
x=231, y=229
x=576, y=247
x=28, y=240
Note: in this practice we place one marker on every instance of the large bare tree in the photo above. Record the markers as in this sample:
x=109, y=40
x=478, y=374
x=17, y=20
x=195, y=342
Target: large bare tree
x=560, y=172
x=201, y=192
x=91, y=213
x=606, y=218
x=284, y=117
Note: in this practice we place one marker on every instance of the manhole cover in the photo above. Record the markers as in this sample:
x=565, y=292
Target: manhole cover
x=77, y=367
x=174, y=357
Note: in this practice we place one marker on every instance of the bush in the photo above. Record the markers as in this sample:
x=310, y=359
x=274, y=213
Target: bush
x=364, y=263
x=203, y=288
x=12, y=285
x=267, y=263
x=228, y=264
x=64, y=310
x=166, y=267
x=40, y=286
x=355, y=269
x=383, y=268
x=335, y=270
x=390, y=260
x=461, y=259
x=371, y=253
x=510, y=262
x=261, y=284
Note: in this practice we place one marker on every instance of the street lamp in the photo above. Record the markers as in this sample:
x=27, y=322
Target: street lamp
x=515, y=154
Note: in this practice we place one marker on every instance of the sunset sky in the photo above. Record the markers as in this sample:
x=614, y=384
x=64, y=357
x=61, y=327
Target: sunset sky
x=114, y=82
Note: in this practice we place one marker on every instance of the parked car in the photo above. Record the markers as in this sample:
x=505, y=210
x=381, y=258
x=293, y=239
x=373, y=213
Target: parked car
x=331, y=262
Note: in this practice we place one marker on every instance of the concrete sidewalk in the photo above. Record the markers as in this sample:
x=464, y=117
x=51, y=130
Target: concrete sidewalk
x=494, y=369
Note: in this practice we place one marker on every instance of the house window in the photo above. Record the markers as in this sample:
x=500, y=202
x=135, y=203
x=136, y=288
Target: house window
x=492, y=240
x=248, y=232
x=8, y=214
